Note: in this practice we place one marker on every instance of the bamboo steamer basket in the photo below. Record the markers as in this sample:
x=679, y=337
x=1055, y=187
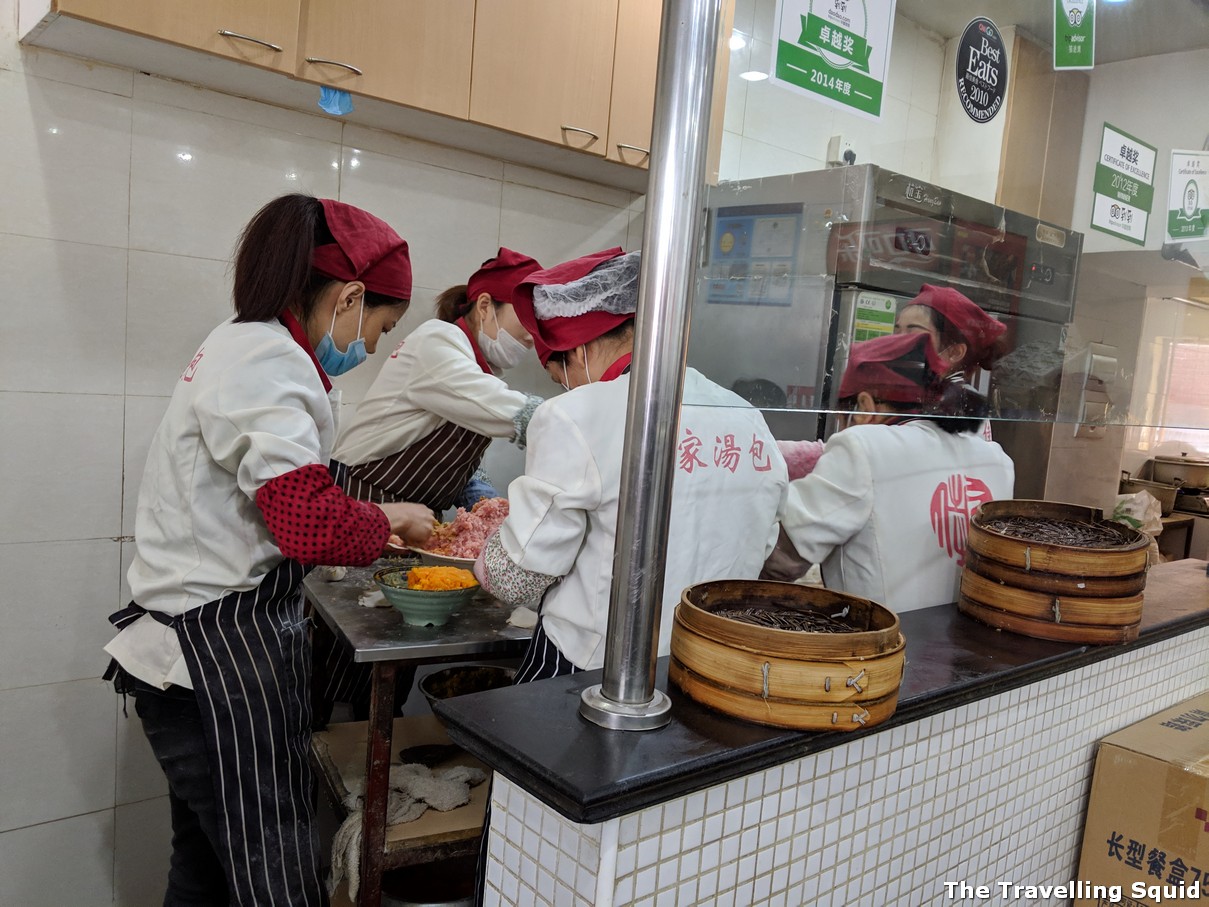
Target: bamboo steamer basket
x=787, y=678
x=1066, y=593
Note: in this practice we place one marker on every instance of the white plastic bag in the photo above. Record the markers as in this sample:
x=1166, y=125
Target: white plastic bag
x=1141, y=511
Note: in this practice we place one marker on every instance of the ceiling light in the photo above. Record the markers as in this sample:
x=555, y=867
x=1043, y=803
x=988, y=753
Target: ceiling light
x=737, y=41
x=185, y=156
x=753, y=75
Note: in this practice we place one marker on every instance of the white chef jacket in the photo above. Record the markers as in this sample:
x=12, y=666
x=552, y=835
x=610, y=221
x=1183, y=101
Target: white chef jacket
x=729, y=488
x=250, y=407
x=431, y=378
x=886, y=511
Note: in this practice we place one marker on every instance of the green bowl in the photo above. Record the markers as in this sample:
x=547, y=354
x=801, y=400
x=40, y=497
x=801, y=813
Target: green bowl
x=420, y=608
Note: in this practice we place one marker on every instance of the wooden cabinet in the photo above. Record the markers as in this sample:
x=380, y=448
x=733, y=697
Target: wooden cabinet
x=635, y=62
x=414, y=52
x=544, y=68
x=1045, y=113
x=262, y=32
x=635, y=59
x=575, y=73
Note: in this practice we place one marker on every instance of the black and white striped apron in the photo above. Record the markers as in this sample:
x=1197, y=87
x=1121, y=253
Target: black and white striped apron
x=543, y=659
x=431, y=471
x=249, y=660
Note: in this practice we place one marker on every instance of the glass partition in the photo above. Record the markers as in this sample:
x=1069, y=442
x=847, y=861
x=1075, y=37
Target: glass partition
x=827, y=220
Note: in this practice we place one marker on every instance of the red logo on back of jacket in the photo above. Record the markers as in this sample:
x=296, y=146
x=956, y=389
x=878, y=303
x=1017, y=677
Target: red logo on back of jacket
x=953, y=503
x=191, y=368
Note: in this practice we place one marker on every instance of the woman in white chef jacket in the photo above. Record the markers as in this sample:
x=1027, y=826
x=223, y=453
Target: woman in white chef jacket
x=886, y=510
x=236, y=498
x=422, y=429
x=557, y=542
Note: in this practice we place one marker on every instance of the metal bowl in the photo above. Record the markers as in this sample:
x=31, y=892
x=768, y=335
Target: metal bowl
x=432, y=559
x=462, y=679
x=420, y=607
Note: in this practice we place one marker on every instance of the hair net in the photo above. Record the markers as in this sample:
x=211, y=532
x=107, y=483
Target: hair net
x=611, y=287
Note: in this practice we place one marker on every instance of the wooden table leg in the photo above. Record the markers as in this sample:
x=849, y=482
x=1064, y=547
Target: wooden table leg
x=377, y=777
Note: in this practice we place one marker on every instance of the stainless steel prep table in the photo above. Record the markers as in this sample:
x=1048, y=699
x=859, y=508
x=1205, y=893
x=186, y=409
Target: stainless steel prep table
x=380, y=637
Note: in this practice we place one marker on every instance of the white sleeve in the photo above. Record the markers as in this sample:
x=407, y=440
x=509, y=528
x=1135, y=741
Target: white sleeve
x=448, y=382
x=548, y=506
x=775, y=532
x=828, y=507
x=259, y=420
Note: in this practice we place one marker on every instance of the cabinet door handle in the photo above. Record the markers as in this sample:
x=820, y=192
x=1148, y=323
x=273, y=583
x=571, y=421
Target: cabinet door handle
x=578, y=129
x=276, y=48
x=622, y=146
x=347, y=66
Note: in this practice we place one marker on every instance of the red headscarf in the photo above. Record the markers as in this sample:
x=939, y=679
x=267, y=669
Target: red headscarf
x=978, y=329
x=366, y=249
x=553, y=335
x=897, y=368
x=499, y=276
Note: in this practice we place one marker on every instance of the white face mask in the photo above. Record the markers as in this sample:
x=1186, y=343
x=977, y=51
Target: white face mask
x=503, y=350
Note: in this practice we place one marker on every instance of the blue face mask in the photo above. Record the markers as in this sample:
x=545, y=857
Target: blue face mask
x=331, y=359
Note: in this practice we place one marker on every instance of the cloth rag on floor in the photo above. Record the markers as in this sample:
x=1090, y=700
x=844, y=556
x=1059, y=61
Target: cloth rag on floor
x=413, y=789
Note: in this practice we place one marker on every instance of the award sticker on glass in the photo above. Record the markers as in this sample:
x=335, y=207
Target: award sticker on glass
x=982, y=70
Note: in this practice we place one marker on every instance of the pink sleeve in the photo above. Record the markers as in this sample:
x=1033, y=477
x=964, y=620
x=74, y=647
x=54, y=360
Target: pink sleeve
x=314, y=522
x=800, y=456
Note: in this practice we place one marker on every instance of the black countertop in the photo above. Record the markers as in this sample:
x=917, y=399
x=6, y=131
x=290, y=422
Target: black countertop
x=533, y=733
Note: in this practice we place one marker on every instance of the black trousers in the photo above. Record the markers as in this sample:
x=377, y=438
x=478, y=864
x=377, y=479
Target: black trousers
x=173, y=725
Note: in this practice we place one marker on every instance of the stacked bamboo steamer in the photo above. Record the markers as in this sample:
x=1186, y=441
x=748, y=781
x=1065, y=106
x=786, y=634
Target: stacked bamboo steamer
x=1017, y=578
x=793, y=678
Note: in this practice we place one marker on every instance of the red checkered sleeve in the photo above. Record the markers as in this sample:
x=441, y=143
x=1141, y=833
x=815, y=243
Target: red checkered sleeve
x=314, y=522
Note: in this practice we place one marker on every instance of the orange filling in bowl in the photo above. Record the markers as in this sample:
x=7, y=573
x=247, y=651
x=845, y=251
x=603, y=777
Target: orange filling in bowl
x=440, y=579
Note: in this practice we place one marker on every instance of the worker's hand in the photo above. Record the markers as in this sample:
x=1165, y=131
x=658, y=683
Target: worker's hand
x=413, y=523
x=784, y=564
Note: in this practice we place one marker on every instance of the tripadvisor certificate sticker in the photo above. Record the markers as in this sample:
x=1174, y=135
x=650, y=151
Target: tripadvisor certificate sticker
x=1123, y=190
x=982, y=70
x=1074, y=34
x=836, y=51
x=1187, y=201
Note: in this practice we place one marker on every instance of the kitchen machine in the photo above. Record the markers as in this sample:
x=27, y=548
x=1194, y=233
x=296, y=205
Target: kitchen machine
x=796, y=268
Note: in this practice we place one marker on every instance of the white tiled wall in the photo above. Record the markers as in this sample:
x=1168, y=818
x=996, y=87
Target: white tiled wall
x=994, y=790
x=122, y=198
x=769, y=129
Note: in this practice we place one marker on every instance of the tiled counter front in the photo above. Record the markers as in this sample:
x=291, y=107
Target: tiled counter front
x=991, y=791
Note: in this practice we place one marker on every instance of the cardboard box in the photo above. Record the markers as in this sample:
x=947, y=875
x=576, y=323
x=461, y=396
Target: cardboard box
x=1147, y=824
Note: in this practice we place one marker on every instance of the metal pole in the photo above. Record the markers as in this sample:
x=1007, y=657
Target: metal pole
x=627, y=698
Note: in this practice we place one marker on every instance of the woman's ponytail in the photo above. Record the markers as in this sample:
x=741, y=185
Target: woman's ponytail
x=959, y=407
x=453, y=304
x=273, y=259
